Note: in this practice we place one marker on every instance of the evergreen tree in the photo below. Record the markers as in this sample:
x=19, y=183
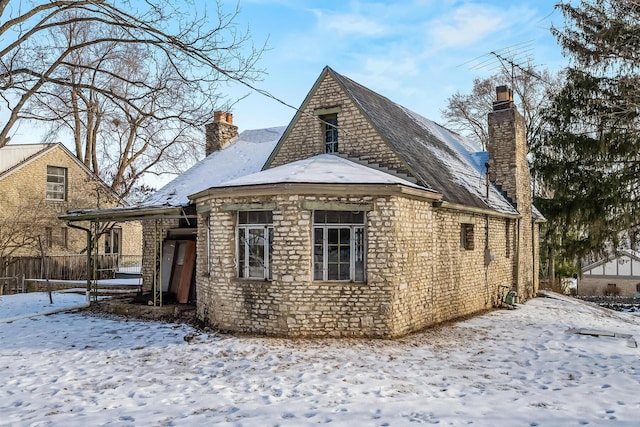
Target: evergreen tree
x=589, y=159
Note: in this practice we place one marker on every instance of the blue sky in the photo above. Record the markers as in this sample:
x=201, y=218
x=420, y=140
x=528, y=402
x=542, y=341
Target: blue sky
x=415, y=52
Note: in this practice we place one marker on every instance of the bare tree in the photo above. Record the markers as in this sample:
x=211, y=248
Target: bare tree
x=21, y=227
x=467, y=113
x=133, y=87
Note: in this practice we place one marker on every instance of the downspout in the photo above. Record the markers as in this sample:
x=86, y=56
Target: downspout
x=487, y=251
x=89, y=248
x=533, y=258
x=517, y=269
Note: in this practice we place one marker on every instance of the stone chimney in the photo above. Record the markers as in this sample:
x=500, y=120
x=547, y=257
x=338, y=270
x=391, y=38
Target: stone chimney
x=509, y=170
x=220, y=132
x=508, y=149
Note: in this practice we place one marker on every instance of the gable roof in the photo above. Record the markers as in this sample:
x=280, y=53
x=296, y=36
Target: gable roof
x=635, y=255
x=245, y=155
x=440, y=160
x=15, y=157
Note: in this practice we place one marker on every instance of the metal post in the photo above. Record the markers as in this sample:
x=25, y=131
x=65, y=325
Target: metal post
x=88, y=231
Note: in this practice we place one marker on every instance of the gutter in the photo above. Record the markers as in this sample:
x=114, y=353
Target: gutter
x=482, y=211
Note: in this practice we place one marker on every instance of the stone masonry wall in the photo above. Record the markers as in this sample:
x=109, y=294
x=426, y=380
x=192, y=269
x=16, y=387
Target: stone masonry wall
x=463, y=284
x=356, y=135
x=510, y=170
x=291, y=304
x=417, y=273
x=153, y=231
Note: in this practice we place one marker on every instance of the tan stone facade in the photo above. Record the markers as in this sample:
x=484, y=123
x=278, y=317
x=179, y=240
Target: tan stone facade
x=23, y=196
x=417, y=272
x=425, y=260
x=509, y=169
x=356, y=135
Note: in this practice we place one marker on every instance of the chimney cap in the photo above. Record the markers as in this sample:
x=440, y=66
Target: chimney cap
x=504, y=98
x=222, y=117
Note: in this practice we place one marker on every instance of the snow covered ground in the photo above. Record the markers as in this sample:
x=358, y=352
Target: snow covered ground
x=506, y=368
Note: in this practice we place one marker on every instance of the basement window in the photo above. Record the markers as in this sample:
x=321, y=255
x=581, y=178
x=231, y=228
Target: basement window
x=466, y=236
x=254, y=244
x=338, y=246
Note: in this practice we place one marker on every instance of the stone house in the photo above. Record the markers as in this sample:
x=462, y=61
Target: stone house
x=361, y=218
x=616, y=275
x=40, y=182
x=368, y=219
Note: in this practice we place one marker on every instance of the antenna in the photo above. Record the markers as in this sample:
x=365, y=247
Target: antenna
x=508, y=58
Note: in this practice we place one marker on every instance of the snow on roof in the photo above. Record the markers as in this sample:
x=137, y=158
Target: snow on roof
x=246, y=155
x=12, y=155
x=465, y=161
x=320, y=169
x=440, y=159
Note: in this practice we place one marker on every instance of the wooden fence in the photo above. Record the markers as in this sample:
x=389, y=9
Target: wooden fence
x=67, y=267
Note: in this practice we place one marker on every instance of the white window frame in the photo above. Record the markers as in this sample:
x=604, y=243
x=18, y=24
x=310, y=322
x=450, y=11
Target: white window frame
x=243, y=249
x=354, y=246
x=56, y=183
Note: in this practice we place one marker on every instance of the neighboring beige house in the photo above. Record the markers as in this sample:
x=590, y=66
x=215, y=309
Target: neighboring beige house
x=365, y=219
x=619, y=275
x=40, y=182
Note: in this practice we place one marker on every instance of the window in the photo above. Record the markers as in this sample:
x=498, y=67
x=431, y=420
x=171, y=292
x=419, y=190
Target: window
x=56, y=183
x=255, y=241
x=112, y=241
x=466, y=236
x=48, y=237
x=338, y=246
x=63, y=237
x=330, y=125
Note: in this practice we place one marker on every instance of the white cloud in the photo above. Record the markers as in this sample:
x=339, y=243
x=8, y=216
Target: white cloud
x=472, y=23
x=348, y=24
x=464, y=26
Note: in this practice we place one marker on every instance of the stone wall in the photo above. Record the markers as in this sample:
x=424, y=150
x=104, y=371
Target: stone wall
x=356, y=136
x=153, y=231
x=291, y=304
x=417, y=273
x=220, y=132
x=509, y=170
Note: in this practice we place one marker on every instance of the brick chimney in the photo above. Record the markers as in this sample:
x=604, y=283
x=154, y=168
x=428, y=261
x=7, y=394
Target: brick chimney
x=220, y=132
x=507, y=148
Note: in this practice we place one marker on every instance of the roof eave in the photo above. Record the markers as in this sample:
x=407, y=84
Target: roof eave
x=122, y=215
x=483, y=211
x=317, y=188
